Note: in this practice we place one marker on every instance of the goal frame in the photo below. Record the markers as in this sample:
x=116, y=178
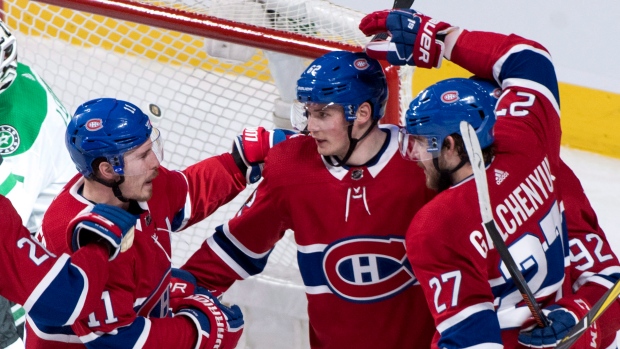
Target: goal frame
x=235, y=32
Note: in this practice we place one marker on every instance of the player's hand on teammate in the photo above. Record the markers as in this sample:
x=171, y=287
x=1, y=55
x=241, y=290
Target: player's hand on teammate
x=218, y=325
x=563, y=316
x=103, y=224
x=252, y=146
x=415, y=39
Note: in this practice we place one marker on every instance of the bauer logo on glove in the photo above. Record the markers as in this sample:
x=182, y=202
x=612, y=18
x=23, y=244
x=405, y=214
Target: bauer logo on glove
x=416, y=39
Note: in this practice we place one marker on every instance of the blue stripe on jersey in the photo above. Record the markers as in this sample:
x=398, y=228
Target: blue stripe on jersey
x=66, y=330
x=177, y=220
x=58, y=301
x=481, y=328
x=311, y=268
x=530, y=65
x=565, y=239
x=250, y=264
x=124, y=337
x=612, y=278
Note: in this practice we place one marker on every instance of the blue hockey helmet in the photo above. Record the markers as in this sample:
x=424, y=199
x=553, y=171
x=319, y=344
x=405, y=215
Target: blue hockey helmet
x=107, y=128
x=8, y=58
x=438, y=110
x=344, y=78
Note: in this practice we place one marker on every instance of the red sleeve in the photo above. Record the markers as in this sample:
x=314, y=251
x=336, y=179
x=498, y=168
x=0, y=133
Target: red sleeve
x=212, y=183
x=178, y=333
x=240, y=248
x=594, y=266
x=168, y=332
x=479, y=51
x=32, y=276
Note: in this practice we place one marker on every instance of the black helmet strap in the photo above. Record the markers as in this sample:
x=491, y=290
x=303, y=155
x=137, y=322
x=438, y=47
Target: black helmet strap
x=353, y=142
x=115, y=187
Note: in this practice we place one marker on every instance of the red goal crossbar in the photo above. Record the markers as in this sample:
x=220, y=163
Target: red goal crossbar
x=222, y=29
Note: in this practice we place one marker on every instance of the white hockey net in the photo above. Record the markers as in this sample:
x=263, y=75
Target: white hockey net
x=208, y=89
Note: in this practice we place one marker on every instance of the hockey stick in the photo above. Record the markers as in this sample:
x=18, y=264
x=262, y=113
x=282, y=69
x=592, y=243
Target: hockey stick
x=472, y=145
x=597, y=310
x=397, y=4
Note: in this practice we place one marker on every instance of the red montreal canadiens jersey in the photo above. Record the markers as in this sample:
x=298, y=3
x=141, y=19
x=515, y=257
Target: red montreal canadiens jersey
x=468, y=288
x=55, y=290
x=594, y=267
x=139, y=278
x=349, y=225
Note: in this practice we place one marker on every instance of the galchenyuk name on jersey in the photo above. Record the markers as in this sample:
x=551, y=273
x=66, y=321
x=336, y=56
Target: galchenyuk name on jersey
x=521, y=204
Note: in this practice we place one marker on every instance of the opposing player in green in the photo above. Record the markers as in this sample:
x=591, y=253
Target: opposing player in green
x=36, y=165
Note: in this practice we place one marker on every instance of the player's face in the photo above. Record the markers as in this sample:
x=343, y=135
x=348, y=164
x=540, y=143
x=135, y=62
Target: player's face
x=141, y=167
x=328, y=127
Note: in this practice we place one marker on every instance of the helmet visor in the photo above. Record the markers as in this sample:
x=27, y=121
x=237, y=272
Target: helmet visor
x=301, y=111
x=146, y=157
x=299, y=116
x=415, y=147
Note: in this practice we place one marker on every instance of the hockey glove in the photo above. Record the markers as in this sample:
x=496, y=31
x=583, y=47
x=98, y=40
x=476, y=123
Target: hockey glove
x=251, y=147
x=109, y=225
x=563, y=316
x=218, y=325
x=416, y=39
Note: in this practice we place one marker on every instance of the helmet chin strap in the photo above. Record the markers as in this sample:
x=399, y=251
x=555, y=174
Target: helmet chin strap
x=352, y=143
x=445, y=176
x=115, y=187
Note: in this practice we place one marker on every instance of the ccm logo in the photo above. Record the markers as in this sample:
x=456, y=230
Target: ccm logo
x=94, y=124
x=450, y=97
x=360, y=64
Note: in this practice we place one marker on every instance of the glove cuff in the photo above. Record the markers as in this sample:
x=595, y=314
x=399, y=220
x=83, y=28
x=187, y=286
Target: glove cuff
x=450, y=38
x=87, y=230
x=576, y=306
x=200, y=321
x=428, y=49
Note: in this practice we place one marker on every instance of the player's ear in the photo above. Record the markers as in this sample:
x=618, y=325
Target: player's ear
x=364, y=113
x=106, y=171
x=449, y=145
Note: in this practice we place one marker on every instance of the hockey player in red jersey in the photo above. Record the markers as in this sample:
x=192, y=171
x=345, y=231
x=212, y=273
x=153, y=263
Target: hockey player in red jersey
x=594, y=266
x=57, y=290
x=346, y=194
x=118, y=154
x=471, y=295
